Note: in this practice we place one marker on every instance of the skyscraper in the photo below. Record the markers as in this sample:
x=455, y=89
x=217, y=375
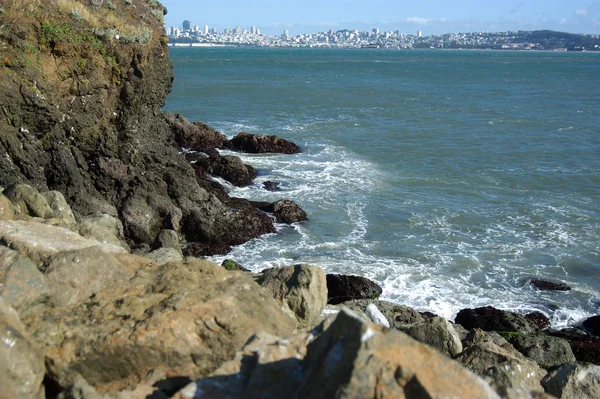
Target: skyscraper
x=187, y=25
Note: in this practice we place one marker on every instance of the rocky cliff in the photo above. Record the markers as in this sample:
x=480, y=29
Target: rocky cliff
x=82, y=84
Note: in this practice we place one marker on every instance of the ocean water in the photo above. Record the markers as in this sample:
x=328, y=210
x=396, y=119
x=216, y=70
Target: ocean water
x=449, y=177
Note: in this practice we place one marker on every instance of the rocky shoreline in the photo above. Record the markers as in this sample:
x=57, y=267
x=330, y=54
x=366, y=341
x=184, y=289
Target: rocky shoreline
x=107, y=210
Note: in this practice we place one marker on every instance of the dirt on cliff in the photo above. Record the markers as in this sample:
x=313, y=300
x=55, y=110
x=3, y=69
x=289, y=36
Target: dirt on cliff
x=82, y=84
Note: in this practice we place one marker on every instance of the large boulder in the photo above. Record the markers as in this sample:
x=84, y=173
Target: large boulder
x=256, y=143
x=573, y=381
x=492, y=319
x=547, y=351
x=180, y=319
x=21, y=364
x=39, y=241
x=301, y=290
x=350, y=359
x=104, y=228
x=194, y=136
x=495, y=360
x=545, y=285
x=343, y=288
x=28, y=201
x=60, y=208
x=22, y=285
x=7, y=209
x=437, y=333
x=232, y=169
x=592, y=325
x=287, y=211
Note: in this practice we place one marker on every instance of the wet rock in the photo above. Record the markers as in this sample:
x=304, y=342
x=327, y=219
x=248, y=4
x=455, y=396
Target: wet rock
x=28, y=201
x=545, y=285
x=76, y=275
x=21, y=363
x=199, y=250
x=499, y=363
x=587, y=351
x=22, y=285
x=343, y=288
x=301, y=290
x=233, y=170
x=592, y=325
x=287, y=211
x=195, y=136
x=437, y=333
x=60, y=208
x=492, y=319
x=356, y=359
x=232, y=266
x=255, y=143
x=38, y=241
x=547, y=351
x=573, y=381
x=180, y=319
x=538, y=321
x=271, y=186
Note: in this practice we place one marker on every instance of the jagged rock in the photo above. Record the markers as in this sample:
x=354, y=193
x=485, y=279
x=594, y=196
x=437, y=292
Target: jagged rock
x=232, y=169
x=198, y=250
x=538, y=321
x=232, y=265
x=167, y=239
x=301, y=290
x=194, y=136
x=21, y=364
x=350, y=359
x=271, y=186
x=547, y=351
x=163, y=256
x=28, y=201
x=341, y=288
x=77, y=275
x=38, y=241
x=180, y=319
x=586, y=348
x=287, y=211
x=7, y=211
x=60, y=208
x=437, y=333
x=492, y=319
x=573, y=381
x=255, y=143
x=499, y=363
x=22, y=285
x=104, y=228
x=545, y=285
x=592, y=325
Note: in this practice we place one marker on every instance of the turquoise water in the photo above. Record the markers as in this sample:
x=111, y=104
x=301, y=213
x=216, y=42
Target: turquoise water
x=449, y=177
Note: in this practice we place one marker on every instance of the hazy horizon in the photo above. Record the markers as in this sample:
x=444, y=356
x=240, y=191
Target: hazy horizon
x=434, y=17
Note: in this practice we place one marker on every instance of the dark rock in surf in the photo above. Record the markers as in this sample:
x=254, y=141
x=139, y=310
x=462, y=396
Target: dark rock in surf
x=592, y=325
x=271, y=186
x=538, y=320
x=492, y=319
x=289, y=212
x=258, y=144
x=545, y=350
x=195, y=136
x=342, y=288
x=232, y=169
x=199, y=250
x=544, y=285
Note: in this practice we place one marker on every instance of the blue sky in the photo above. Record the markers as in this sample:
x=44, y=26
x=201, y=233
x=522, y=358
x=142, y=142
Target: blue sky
x=429, y=16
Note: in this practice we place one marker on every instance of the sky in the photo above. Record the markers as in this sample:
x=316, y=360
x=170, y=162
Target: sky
x=428, y=16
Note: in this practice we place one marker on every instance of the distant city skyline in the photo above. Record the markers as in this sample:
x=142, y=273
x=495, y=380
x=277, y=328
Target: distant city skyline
x=432, y=17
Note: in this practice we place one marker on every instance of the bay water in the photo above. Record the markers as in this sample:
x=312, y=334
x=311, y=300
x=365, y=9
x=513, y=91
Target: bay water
x=451, y=178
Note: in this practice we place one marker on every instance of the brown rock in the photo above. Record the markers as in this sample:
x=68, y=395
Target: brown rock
x=573, y=381
x=256, y=143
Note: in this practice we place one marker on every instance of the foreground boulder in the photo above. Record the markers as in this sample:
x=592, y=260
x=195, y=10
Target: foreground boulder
x=180, y=319
x=341, y=288
x=256, y=143
x=21, y=364
x=301, y=289
x=351, y=359
x=492, y=319
x=547, y=351
x=573, y=381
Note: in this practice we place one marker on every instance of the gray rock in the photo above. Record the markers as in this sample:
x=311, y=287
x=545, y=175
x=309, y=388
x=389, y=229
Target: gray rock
x=60, y=208
x=437, y=333
x=7, y=209
x=104, y=228
x=21, y=364
x=287, y=211
x=397, y=315
x=501, y=365
x=28, y=201
x=76, y=275
x=301, y=290
x=22, y=285
x=547, y=351
x=163, y=256
x=39, y=241
x=573, y=381
x=167, y=239
x=376, y=316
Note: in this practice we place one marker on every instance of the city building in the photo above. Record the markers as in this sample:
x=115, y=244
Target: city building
x=187, y=25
